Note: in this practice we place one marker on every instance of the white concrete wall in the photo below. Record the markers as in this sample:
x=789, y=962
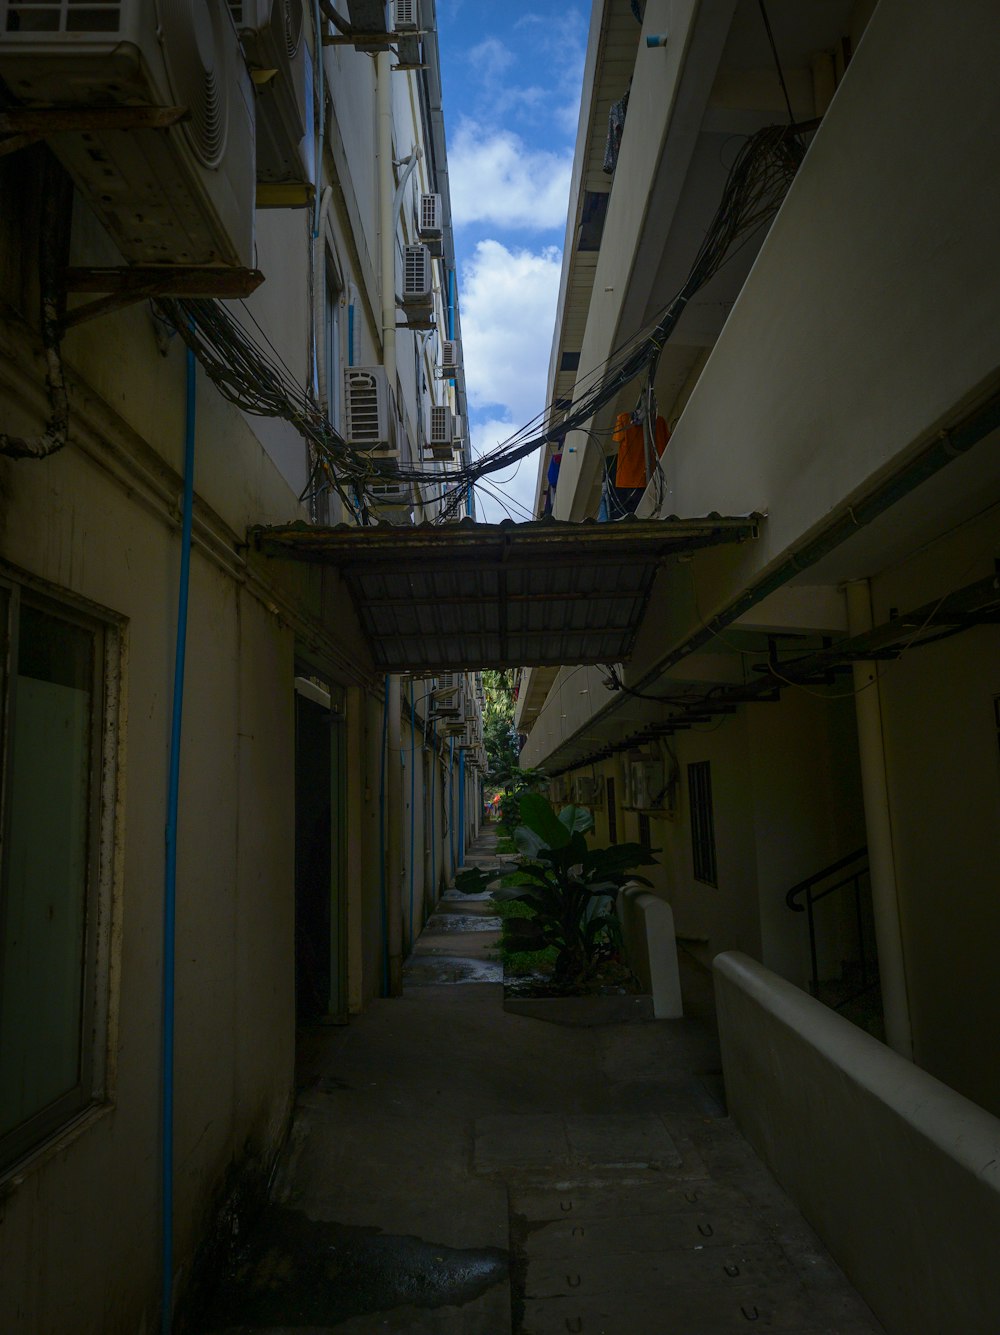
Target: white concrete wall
x=899, y=1175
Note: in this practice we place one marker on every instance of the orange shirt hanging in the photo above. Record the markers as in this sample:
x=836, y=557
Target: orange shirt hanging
x=631, y=470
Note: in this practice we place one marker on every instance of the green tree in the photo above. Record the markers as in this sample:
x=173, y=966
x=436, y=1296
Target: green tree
x=499, y=737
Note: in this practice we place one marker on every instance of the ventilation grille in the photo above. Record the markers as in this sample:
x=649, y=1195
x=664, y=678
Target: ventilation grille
x=292, y=15
x=366, y=407
x=416, y=273
x=405, y=15
x=450, y=355
x=64, y=16
x=441, y=430
x=193, y=46
x=430, y=215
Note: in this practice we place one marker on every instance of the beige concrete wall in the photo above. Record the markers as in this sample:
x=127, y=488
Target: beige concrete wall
x=943, y=770
x=806, y=809
x=94, y=1192
x=899, y=1175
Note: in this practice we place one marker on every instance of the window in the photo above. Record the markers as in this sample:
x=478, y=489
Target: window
x=570, y=361
x=57, y=763
x=645, y=832
x=702, y=822
x=331, y=343
x=592, y=216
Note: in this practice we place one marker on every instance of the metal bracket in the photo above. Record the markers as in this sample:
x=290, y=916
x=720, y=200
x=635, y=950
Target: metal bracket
x=27, y=125
x=127, y=284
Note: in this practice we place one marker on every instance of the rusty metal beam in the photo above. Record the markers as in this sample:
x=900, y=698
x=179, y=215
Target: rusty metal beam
x=127, y=284
x=28, y=125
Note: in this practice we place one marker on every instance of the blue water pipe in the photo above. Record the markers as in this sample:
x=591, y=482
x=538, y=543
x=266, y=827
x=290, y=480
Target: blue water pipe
x=433, y=801
x=170, y=857
x=413, y=798
x=451, y=803
x=461, y=807
x=381, y=845
x=321, y=124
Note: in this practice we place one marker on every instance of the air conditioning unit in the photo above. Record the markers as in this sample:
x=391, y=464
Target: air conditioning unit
x=390, y=493
x=587, y=791
x=451, y=357
x=417, y=276
x=645, y=788
x=405, y=15
x=273, y=43
x=441, y=429
x=366, y=395
x=182, y=195
x=430, y=223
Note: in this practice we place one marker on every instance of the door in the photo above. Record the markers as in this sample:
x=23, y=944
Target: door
x=320, y=901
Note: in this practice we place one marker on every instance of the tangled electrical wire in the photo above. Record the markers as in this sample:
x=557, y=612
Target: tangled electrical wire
x=255, y=378
x=756, y=185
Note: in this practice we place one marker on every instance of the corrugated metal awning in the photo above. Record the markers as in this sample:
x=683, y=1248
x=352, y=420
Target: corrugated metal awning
x=447, y=597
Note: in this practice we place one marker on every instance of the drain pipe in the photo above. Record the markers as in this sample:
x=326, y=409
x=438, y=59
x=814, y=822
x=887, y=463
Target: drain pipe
x=387, y=273
x=451, y=805
x=878, y=823
x=413, y=799
x=383, y=909
x=170, y=862
x=461, y=807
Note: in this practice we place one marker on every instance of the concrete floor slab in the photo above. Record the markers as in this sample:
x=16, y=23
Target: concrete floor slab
x=595, y=1159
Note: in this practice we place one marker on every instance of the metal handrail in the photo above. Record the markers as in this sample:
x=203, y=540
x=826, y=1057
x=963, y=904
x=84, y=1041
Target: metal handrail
x=818, y=876
x=805, y=888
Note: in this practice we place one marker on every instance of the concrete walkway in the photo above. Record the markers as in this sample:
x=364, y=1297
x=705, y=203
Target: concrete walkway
x=457, y=1168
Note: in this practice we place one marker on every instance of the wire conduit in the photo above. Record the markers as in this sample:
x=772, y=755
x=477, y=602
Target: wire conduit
x=170, y=859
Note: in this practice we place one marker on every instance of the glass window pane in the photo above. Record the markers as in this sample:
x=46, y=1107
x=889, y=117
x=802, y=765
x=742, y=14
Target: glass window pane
x=44, y=909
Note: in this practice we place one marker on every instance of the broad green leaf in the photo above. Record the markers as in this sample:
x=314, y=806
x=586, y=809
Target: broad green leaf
x=529, y=843
x=576, y=819
x=473, y=881
x=537, y=815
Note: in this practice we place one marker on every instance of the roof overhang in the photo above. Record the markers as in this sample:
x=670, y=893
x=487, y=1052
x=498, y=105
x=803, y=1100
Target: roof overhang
x=467, y=596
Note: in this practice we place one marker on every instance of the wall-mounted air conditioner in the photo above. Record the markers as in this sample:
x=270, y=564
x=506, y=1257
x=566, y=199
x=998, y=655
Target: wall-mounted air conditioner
x=275, y=49
x=405, y=15
x=183, y=195
x=442, y=431
x=587, y=791
x=366, y=396
x=645, y=786
x=451, y=357
x=418, y=282
x=390, y=493
x=430, y=224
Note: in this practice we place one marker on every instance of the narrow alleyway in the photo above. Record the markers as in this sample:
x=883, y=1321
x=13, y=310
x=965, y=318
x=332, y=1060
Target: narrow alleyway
x=457, y=1168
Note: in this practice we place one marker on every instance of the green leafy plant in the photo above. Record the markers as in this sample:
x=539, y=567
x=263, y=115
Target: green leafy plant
x=569, y=887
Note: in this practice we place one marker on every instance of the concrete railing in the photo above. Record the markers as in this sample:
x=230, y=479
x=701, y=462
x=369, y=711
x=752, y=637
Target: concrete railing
x=898, y=1174
x=651, y=948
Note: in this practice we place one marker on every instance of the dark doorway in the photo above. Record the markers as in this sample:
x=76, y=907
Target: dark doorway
x=318, y=872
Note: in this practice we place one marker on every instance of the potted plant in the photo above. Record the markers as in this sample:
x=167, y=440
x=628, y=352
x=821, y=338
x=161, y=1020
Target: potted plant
x=569, y=886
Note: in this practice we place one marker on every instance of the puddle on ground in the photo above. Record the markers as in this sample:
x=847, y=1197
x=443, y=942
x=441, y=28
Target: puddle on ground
x=306, y=1272
x=426, y=970
x=461, y=922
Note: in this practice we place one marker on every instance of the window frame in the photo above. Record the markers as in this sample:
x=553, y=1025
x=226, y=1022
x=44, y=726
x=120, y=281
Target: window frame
x=704, y=852
x=92, y=1088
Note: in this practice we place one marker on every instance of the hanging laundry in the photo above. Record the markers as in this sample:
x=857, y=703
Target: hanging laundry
x=631, y=474
x=616, y=128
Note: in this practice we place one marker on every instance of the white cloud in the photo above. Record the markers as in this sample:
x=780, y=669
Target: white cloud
x=496, y=178
x=508, y=312
x=491, y=58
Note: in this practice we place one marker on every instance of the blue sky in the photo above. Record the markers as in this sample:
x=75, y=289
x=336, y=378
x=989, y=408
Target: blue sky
x=511, y=75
